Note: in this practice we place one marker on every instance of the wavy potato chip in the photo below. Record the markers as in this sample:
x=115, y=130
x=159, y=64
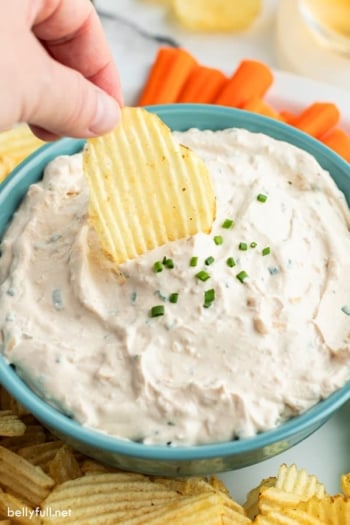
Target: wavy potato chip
x=19, y=512
x=145, y=188
x=345, y=484
x=15, y=145
x=331, y=510
x=299, y=482
x=287, y=517
x=110, y=496
x=251, y=505
x=10, y=424
x=201, y=509
x=23, y=479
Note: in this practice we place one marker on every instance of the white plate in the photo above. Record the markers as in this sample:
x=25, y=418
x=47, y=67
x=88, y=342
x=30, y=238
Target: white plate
x=327, y=452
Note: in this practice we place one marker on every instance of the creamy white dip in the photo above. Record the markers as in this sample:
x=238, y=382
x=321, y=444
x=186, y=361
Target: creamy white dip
x=265, y=349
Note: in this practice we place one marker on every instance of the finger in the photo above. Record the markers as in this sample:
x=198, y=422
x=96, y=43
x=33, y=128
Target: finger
x=43, y=134
x=64, y=103
x=73, y=35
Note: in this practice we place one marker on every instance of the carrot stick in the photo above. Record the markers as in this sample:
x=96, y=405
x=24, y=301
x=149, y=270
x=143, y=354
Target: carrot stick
x=256, y=105
x=250, y=80
x=339, y=141
x=318, y=118
x=202, y=85
x=167, y=76
x=287, y=116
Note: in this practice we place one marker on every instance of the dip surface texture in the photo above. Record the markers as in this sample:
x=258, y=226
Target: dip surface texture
x=270, y=338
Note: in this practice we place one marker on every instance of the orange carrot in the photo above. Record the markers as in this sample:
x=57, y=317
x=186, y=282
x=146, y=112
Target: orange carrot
x=202, y=85
x=287, y=116
x=256, y=105
x=167, y=76
x=339, y=141
x=318, y=118
x=250, y=80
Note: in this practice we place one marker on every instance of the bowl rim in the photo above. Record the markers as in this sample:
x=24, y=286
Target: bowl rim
x=55, y=419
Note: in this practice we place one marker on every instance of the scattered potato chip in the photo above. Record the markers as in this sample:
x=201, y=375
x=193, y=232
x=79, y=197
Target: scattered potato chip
x=18, y=512
x=215, y=15
x=15, y=145
x=201, y=509
x=299, y=482
x=145, y=188
x=32, y=435
x=89, y=466
x=287, y=517
x=64, y=466
x=273, y=499
x=331, y=510
x=10, y=424
x=251, y=505
x=23, y=479
x=109, y=495
x=345, y=484
x=40, y=454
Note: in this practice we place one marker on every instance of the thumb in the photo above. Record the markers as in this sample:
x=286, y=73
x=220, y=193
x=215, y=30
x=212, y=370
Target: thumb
x=62, y=102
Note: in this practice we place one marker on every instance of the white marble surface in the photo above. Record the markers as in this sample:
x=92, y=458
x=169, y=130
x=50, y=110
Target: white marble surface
x=327, y=452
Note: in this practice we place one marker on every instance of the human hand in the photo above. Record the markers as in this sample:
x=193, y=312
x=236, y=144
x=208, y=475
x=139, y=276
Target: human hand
x=56, y=71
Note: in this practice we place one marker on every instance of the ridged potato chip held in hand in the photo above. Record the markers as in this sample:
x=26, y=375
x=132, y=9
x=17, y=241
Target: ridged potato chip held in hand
x=145, y=188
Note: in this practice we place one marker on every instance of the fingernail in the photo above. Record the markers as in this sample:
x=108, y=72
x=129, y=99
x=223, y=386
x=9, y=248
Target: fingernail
x=107, y=114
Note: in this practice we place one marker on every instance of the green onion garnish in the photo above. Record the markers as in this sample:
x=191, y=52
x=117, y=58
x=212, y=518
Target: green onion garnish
x=169, y=263
x=243, y=246
x=261, y=197
x=242, y=276
x=173, y=297
x=218, y=239
x=209, y=297
x=202, y=275
x=253, y=244
x=228, y=223
x=158, y=266
x=193, y=261
x=266, y=250
x=157, y=311
x=230, y=262
x=209, y=260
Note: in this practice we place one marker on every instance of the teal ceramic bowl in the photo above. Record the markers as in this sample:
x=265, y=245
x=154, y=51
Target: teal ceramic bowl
x=162, y=460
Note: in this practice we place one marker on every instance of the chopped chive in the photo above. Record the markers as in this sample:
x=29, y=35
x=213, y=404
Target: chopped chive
x=173, y=297
x=209, y=260
x=261, y=197
x=228, y=223
x=157, y=311
x=273, y=270
x=169, y=263
x=243, y=246
x=346, y=309
x=193, y=261
x=202, y=275
x=164, y=260
x=230, y=262
x=266, y=250
x=158, y=266
x=209, y=297
x=218, y=239
x=253, y=244
x=242, y=276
